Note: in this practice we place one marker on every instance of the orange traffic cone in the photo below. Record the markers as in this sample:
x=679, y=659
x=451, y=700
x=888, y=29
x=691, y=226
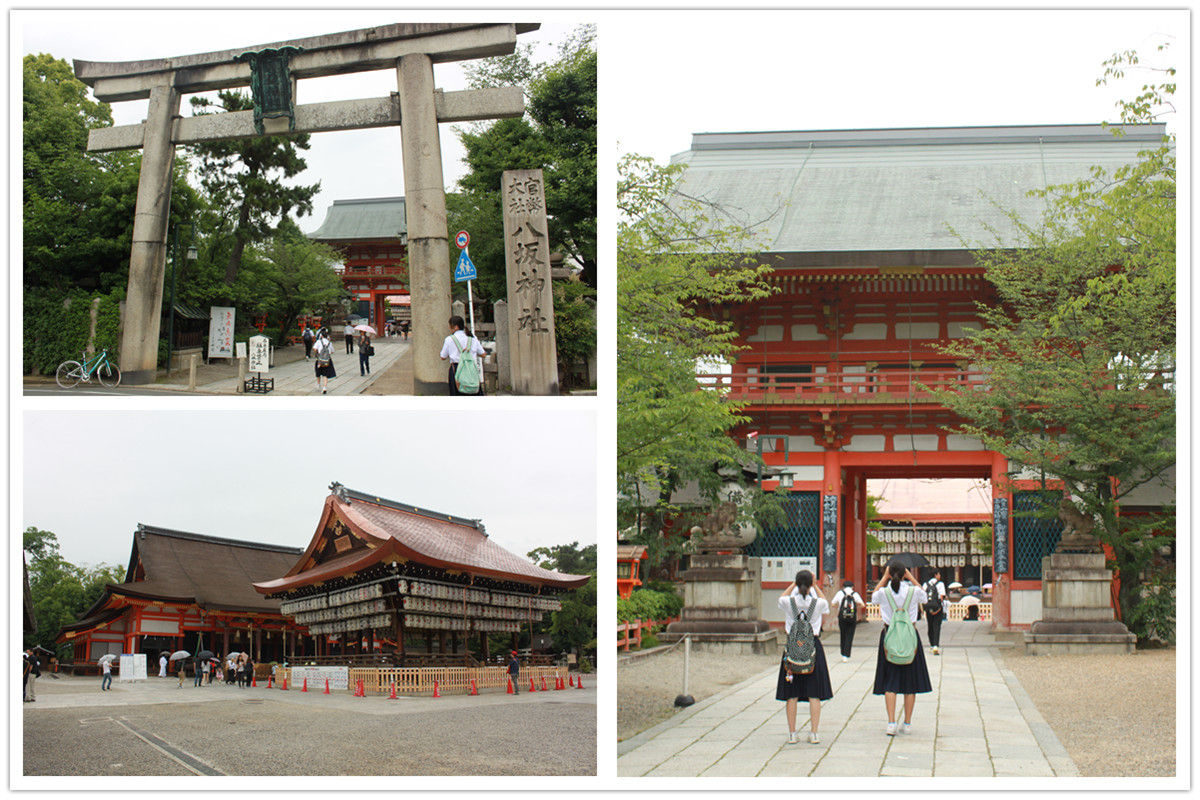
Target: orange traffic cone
x=474, y=688
x=532, y=688
x=392, y=696
x=558, y=684
x=327, y=686
x=544, y=684
x=304, y=688
x=362, y=689
x=579, y=683
x=284, y=684
x=436, y=693
x=509, y=690
x=253, y=682
x=571, y=681
x=270, y=678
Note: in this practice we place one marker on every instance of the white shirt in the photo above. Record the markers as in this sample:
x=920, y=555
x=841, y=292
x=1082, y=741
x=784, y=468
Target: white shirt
x=914, y=602
x=162, y=666
x=349, y=330
x=836, y=603
x=818, y=614
x=450, y=350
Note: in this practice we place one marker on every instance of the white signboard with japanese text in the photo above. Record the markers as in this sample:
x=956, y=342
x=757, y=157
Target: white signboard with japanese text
x=132, y=667
x=260, y=354
x=220, y=332
x=339, y=678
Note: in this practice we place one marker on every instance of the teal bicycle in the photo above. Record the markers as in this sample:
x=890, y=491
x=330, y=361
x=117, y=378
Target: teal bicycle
x=70, y=373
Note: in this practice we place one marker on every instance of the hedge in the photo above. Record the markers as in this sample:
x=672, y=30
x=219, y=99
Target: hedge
x=56, y=330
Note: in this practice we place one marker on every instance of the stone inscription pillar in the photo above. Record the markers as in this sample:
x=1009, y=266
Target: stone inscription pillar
x=425, y=209
x=534, y=356
x=147, y=257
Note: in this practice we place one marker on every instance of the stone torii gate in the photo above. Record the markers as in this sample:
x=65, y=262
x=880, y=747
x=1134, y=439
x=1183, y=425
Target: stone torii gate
x=412, y=49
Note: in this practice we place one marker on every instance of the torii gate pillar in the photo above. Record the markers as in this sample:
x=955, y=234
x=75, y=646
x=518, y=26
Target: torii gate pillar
x=425, y=209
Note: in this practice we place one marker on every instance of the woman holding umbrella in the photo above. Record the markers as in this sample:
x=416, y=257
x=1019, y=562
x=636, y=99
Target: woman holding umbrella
x=365, y=349
x=899, y=593
x=106, y=671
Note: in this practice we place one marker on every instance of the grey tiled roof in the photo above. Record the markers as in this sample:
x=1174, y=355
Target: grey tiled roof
x=367, y=218
x=895, y=189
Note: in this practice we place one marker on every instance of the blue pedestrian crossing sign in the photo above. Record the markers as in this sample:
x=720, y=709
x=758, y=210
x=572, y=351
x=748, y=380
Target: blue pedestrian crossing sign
x=464, y=270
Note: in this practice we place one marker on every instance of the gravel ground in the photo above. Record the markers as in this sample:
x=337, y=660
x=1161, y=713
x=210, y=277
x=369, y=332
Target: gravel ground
x=282, y=738
x=1115, y=715
x=647, y=687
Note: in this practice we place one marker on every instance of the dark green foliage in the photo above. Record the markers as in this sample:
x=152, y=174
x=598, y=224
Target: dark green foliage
x=1152, y=616
x=574, y=626
x=647, y=605
x=574, y=323
x=61, y=591
x=569, y=558
x=57, y=324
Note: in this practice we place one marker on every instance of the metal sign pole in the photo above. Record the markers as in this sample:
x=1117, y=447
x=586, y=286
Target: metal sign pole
x=471, y=301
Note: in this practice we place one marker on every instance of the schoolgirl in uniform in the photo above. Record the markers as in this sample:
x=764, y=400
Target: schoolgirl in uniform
x=813, y=687
x=893, y=679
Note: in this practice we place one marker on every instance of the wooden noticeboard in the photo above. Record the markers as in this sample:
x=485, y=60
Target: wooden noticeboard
x=999, y=535
x=829, y=529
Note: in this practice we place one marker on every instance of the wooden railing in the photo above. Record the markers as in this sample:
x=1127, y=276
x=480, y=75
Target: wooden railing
x=374, y=269
x=450, y=680
x=954, y=611
x=841, y=386
x=630, y=633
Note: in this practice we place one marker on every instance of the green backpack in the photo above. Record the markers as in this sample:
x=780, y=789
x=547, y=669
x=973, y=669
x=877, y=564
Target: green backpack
x=900, y=641
x=466, y=375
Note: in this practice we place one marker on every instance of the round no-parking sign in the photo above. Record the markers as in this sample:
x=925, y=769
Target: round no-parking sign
x=462, y=239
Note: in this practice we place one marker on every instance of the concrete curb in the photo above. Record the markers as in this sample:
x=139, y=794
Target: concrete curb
x=1060, y=760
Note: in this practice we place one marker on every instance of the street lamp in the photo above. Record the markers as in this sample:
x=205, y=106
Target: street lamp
x=192, y=255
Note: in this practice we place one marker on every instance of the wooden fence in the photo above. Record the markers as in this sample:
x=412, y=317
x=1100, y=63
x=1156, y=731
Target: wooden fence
x=631, y=632
x=954, y=611
x=450, y=680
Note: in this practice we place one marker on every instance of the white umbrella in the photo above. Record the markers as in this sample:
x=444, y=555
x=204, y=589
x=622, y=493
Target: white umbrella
x=955, y=585
x=969, y=600
x=106, y=657
x=365, y=327
x=987, y=586
x=178, y=654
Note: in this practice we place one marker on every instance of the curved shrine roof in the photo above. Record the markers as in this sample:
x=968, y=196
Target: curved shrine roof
x=394, y=531
x=367, y=219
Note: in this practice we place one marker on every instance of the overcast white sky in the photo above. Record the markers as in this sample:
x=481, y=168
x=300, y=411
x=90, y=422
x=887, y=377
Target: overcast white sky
x=90, y=477
x=349, y=164
x=676, y=74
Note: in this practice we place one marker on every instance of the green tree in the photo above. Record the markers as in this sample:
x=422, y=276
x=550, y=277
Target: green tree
x=1080, y=351
x=290, y=275
x=244, y=180
x=569, y=558
x=61, y=591
x=677, y=258
x=574, y=626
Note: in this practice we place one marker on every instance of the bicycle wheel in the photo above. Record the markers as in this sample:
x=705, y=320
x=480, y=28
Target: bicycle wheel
x=108, y=374
x=69, y=374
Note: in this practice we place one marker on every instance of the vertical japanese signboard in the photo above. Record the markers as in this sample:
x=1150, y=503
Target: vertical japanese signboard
x=260, y=354
x=1000, y=535
x=534, y=357
x=220, y=332
x=829, y=529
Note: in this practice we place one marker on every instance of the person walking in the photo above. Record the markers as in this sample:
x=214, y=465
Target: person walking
x=404, y=326
x=199, y=676
x=162, y=664
x=850, y=609
x=460, y=344
x=25, y=669
x=348, y=331
x=206, y=672
x=896, y=594
x=35, y=672
x=935, y=610
x=323, y=350
x=365, y=351
x=179, y=671
x=106, y=674
x=803, y=599
x=308, y=339
x=514, y=670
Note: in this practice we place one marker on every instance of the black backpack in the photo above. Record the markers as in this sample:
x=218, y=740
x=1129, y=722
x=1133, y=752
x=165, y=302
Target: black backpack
x=933, y=605
x=848, y=610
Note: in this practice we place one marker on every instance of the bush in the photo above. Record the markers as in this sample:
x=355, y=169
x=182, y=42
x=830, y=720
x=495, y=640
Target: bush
x=1154, y=615
x=56, y=330
x=649, y=639
x=585, y=666
x=647, y=604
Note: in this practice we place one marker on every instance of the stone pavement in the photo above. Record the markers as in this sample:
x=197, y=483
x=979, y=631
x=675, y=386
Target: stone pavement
x=299, y=378
x=978, y=721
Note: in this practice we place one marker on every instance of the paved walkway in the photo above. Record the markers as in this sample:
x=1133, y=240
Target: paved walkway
x=978, y=721
x=299, y=378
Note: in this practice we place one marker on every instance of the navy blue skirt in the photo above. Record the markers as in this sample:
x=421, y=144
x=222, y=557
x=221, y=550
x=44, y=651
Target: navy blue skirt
x=901, y=678
x=802, y=687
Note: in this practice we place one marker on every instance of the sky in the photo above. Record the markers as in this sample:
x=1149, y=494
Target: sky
x=704, y=72
x=90, y=478
x=349, y=164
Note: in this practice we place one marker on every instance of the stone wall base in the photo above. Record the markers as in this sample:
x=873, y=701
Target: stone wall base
x=766, y=642
x=1112, y=644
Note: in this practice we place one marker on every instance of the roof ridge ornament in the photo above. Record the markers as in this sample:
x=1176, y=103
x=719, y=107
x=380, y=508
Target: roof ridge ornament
x=339, y=491
x=479, y=526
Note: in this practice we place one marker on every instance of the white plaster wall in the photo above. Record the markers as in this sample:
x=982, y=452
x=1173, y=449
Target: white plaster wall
x=868, y=330
x=956, y=441
x=958, y=330
x=865, y=444
x=1026, y=606
x=1154, y=493
x=807, y=472
x=807, y=333
x=917, y=330
x=169, y=626
x=918, y=441
x=803, y=444
x=767, y=333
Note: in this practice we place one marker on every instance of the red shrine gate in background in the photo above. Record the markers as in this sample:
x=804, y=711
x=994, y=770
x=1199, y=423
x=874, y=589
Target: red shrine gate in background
x=862, y=230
